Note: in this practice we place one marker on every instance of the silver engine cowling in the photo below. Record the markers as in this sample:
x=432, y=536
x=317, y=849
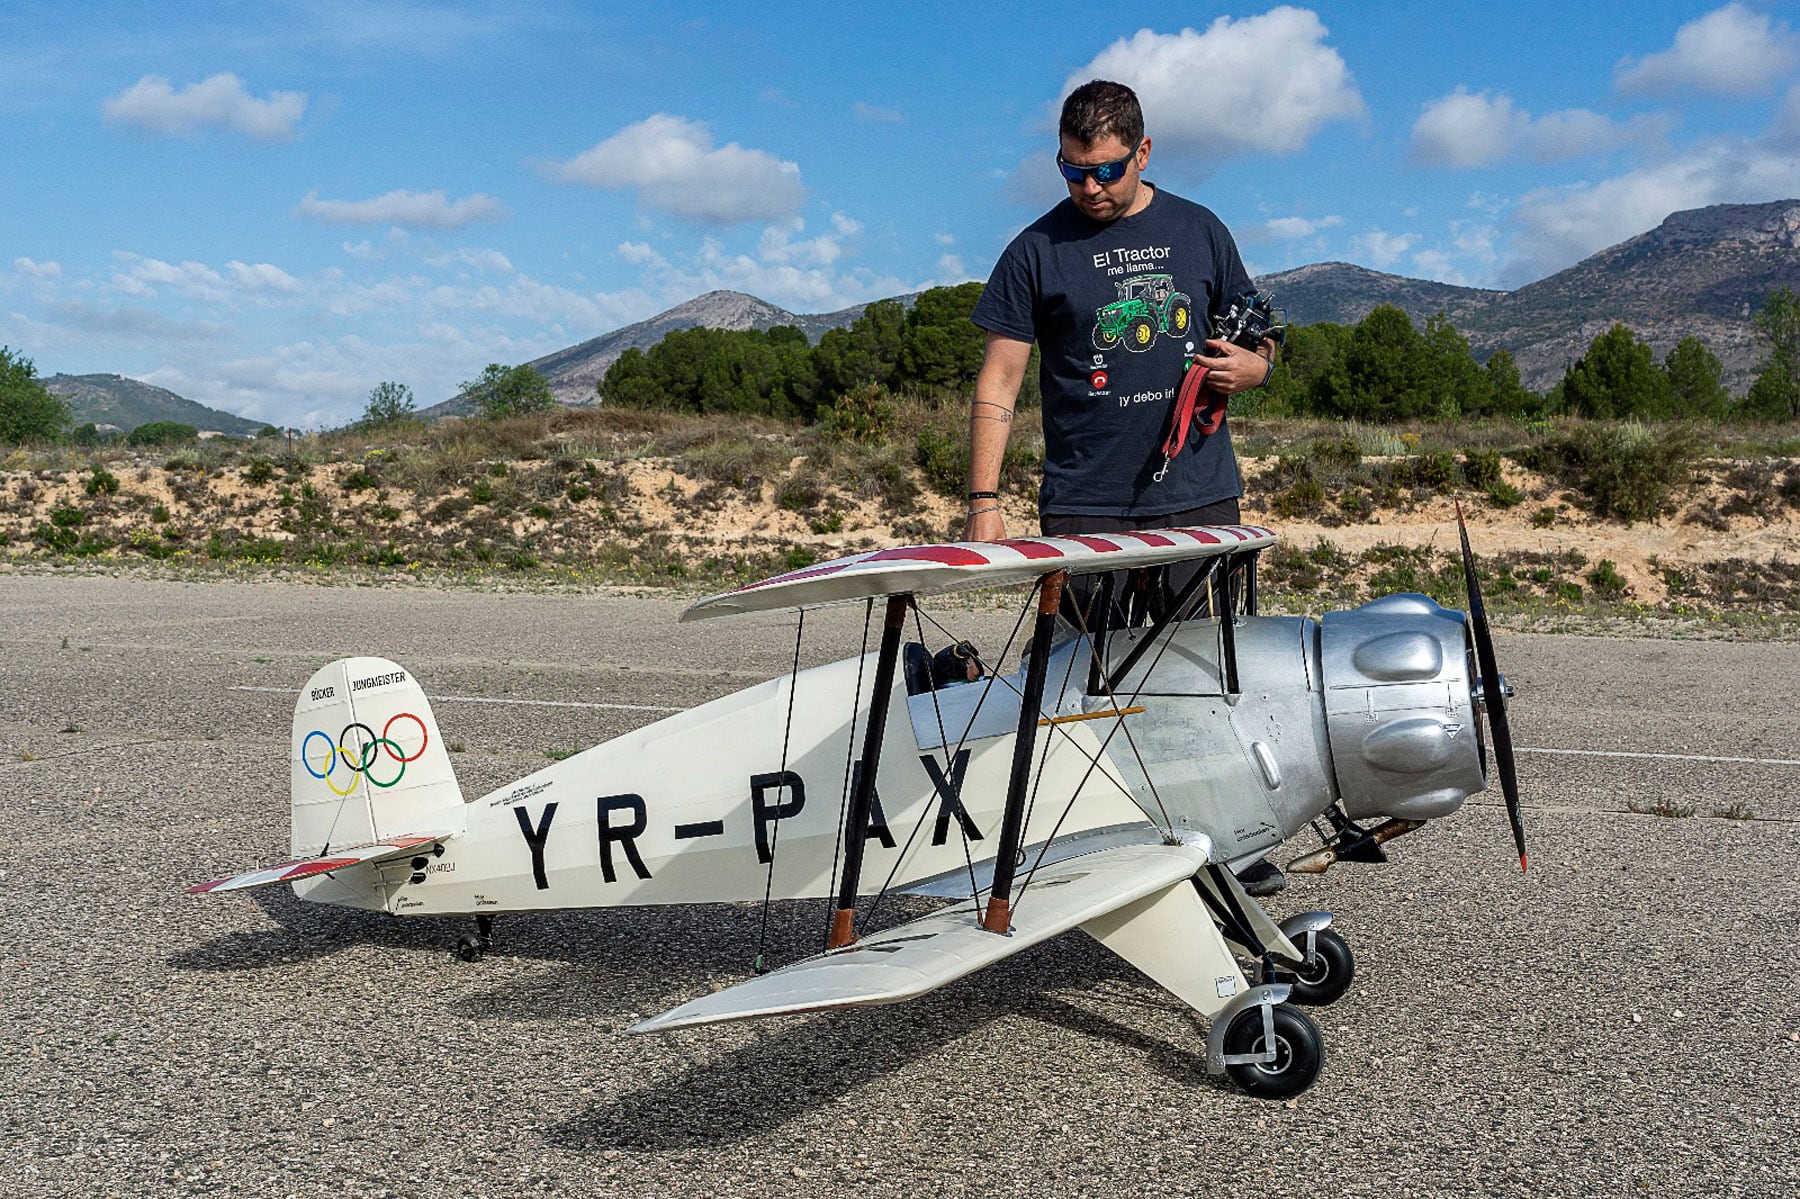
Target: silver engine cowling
x=1399, y=708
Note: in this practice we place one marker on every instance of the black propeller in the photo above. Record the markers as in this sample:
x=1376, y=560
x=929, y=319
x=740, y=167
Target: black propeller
x=1493, y=692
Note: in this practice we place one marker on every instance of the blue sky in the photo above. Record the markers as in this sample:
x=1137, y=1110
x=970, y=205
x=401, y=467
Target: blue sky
x=270, y=207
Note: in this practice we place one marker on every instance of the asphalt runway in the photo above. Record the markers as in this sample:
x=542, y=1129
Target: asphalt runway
x=1622, y=1021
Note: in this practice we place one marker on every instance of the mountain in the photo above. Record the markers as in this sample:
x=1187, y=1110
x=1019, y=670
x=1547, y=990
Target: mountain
x=574, y=371
x=1702, y=272
x=1343, y=294
x=128, y=403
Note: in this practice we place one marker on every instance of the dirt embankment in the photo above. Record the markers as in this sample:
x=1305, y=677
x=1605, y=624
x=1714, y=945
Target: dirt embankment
x=1726, y=540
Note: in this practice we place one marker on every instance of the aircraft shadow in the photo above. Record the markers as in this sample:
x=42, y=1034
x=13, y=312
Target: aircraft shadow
x=306, y=931
x=798, y=1065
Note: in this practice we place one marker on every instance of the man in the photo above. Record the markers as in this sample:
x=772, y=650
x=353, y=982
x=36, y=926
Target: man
x=1111, y=284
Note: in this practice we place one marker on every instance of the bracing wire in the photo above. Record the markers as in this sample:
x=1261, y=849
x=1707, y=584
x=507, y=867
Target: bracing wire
x=787, y=731
x=949, y=768
x=901, y=857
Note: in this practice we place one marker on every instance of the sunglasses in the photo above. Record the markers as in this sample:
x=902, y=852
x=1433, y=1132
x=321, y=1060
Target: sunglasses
x=1103, y=172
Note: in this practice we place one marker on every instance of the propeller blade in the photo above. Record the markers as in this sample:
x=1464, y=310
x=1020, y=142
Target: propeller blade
x=1493, y=693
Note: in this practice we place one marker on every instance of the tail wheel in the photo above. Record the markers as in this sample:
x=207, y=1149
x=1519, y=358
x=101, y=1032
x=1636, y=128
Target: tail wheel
x=1299, y=1053
x=1326, y=976
x=1140, y=334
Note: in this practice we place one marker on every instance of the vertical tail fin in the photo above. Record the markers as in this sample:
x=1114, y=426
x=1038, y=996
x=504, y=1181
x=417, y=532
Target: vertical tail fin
x=367, y=761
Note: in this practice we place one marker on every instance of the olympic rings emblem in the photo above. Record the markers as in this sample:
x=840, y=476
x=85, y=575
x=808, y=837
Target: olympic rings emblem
x=360, y=749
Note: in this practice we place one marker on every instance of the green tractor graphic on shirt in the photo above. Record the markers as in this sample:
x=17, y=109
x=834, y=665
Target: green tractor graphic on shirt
x=1148, y=305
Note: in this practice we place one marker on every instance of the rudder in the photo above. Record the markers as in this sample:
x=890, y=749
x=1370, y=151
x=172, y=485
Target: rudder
x=366, y=758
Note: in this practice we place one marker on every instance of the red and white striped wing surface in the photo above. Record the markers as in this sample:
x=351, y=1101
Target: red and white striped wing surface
x=340, y=859
x=966, y=565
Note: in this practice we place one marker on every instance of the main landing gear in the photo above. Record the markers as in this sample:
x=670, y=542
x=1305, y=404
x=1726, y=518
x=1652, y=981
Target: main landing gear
x=1267, y=1045
x=470, y=946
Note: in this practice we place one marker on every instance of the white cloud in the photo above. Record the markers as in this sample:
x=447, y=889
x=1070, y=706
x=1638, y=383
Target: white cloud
x=1731, y=51
x=944, y=239
x=1291, y=228
x=261, y=276
x=639, y=252
x=1215, y=92
x=219, y=102
x=1465, y=129
x=1560, y=226
x=874, y=114
x=846, y=226
x=673, y=166
x=42, y=271
x=362, y=251
x=777, y=245
x=419, y=210
x=1383, y=249
x=950, y=269
x=481, y=259
x=1784, y=134
x=145, y=276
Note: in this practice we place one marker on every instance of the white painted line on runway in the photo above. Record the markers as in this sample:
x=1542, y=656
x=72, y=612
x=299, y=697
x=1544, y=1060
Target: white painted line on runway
x=1622, y=753
x=488, y=699
x=1521, y=749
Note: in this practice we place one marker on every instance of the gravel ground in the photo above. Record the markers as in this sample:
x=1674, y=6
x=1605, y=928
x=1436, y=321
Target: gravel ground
x=1620, y=1022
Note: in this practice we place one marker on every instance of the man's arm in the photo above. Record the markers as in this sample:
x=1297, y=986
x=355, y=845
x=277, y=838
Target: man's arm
x=990, y=424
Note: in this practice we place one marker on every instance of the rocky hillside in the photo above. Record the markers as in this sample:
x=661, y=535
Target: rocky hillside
x=1343, y=293
x=574, y=371
x=1702, y=272
x=127, y=403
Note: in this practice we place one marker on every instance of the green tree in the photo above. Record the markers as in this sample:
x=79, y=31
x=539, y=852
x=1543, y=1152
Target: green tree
x=940, y=345
x=1382, y=375
x=503, y=391
x=1776, y=392
x=867, y=352
x=1775, y=395
x=389, y=403
x=162, y=432
x=1617, y=377
x=1510, y=395
x=1694, y=386
x=28, y=412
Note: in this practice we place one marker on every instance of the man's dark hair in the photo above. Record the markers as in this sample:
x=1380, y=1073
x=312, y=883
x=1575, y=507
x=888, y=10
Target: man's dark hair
x=1100, y=107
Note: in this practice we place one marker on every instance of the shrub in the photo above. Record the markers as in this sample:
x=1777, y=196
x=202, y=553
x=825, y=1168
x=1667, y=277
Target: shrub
x=102, y=482
x=1606, y=580
x=64, y=516
x=162, y=432
x=1481, y=468
x=259, y=471
x=160, y=514
x=1627, y=471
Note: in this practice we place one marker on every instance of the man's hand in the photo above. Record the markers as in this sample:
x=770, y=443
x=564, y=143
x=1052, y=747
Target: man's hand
x=1230, y=368
x=984, y=526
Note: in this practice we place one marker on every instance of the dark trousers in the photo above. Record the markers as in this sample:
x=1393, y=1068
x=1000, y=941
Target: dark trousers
x=1160, y=587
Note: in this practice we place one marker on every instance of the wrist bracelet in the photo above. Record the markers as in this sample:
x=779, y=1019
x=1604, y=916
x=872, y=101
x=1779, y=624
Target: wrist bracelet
x=984, y=495
x=983, y=511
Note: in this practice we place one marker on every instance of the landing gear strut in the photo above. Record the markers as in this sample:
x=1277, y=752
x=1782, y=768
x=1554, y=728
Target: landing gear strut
x=470, y=946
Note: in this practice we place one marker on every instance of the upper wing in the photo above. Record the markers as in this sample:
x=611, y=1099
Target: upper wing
x=965, y=565
x=339, y=859
x=907, y=961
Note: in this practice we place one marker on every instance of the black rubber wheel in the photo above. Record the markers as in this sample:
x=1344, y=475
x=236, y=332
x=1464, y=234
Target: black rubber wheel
x=1299, y=1053
x=1140, y=334
x=469, y=947
x=1180, y=317
x=1324, y=979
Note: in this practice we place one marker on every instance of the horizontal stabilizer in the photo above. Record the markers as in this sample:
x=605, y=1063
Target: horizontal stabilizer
x=922, y=955
x=338, y=859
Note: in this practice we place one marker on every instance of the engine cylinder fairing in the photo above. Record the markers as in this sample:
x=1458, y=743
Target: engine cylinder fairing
x=1399, y=710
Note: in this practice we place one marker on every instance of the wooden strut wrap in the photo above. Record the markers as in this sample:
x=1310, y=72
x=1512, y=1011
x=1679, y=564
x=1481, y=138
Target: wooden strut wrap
x=862, y=796
x=998, y=917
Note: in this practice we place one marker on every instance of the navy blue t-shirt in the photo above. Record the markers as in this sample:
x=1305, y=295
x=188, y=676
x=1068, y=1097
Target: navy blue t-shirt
x=1115, y=308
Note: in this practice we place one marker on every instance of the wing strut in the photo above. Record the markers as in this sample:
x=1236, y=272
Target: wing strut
x=856, y=827
x=998, y=918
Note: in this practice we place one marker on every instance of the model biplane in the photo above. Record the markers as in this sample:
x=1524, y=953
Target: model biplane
x=1107, y=782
